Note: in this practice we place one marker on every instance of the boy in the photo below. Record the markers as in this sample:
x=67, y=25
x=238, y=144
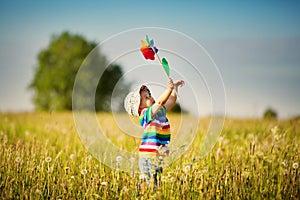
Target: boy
x=156, y=136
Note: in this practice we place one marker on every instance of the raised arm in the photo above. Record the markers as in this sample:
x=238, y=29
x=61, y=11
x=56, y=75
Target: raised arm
x=173, y=97
x=163, y=98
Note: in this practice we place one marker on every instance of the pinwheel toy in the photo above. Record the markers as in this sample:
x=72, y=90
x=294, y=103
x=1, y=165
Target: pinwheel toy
x=149, y=51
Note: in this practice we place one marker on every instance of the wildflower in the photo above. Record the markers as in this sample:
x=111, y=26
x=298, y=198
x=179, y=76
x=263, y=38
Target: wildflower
x=18, y=159
x=104, y=183
x=295, y=165
x=84, y=172
x=217, y=191
x=119, y=159
x=48, y=159
x=72, y=156
x=72, y=177
x=96, y=166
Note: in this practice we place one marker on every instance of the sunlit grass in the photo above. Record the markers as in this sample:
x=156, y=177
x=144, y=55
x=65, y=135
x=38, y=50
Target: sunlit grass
x=41, y=157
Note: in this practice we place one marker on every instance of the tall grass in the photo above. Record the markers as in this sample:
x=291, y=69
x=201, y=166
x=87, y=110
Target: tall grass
x=41, y=157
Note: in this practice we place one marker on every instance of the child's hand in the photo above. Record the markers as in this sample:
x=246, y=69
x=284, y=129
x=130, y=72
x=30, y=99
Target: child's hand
x=179, y=83
x=170, y=84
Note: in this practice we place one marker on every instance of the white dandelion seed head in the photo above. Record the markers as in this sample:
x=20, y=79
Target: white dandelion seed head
x=72, y=156
x=18, y=159
x=72, y=177
x=295, y=165
x=104, y=183
x=119, y=159
x=48, y=159
x=84, y=171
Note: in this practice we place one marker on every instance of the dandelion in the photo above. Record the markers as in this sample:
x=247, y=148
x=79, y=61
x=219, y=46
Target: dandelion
x=104, y=183
x=18, y=159
x=119, y=159
x=295, y=165
x=84, y=172
x=48, y=159
x=72, y=156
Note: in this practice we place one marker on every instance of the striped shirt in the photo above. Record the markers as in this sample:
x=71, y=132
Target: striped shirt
x=156, y=136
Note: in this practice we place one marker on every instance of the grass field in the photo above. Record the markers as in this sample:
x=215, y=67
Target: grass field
x=42, y=157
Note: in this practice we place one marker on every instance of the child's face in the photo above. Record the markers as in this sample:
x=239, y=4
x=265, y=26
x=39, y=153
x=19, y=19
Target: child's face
x=146, y=99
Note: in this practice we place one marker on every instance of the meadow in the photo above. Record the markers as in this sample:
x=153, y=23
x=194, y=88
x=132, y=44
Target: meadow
x=42, y=157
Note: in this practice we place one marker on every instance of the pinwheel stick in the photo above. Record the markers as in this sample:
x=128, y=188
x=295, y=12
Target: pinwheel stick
x=159, y=60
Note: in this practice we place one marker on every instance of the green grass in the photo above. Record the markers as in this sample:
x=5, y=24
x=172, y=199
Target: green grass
x=41, y=157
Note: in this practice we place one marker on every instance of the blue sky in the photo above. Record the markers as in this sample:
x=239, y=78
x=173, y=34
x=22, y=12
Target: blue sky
x=255, y=44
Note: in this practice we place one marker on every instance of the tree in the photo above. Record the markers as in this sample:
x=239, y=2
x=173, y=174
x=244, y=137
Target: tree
x=270, y=113
x=57, y=67
x=177, y=109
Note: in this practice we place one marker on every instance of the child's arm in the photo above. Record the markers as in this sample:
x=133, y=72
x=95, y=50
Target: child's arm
x=173, y=97
x=163, y=98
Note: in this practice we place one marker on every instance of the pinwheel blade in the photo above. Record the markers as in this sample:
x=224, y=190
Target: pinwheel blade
x=165, y=64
